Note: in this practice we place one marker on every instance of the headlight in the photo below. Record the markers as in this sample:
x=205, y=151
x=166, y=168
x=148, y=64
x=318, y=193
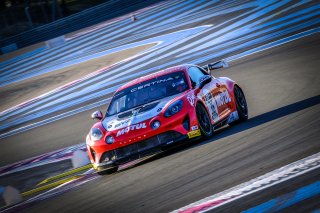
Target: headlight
x=109, y=139
x=87, y=139
x=95, y=134
x=155, y=124
x=174, y=108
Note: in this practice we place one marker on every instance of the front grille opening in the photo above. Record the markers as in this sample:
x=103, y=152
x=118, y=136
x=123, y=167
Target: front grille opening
x=148, y=144
x=140, y=147
x=186, y=123
x=126, y=150
x=169, y=136
x=93, y=154
x=108, y=156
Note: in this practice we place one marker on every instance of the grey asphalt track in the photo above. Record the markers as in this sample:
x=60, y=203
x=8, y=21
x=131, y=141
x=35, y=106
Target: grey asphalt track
x=283, y=93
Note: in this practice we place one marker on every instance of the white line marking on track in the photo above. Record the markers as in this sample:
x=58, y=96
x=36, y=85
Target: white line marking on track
x=265, y=181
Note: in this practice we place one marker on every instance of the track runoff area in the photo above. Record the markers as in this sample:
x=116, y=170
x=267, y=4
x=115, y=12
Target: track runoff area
x=277, y=148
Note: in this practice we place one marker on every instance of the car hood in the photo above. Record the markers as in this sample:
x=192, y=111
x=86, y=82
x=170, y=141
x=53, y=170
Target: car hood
x=137, y=115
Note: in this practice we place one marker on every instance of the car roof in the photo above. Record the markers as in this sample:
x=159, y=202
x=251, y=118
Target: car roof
x=155, y=75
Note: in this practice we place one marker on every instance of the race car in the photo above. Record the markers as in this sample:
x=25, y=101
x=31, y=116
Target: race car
x=166, y=108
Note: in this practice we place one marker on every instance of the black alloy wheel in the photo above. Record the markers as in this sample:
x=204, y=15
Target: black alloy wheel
x=241, y=104
x=204, y=121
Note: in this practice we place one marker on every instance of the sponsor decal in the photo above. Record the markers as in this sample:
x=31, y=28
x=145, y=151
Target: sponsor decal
x=223, y=98
x=194, y=127
x=122, y=123
x=212, y=105
x=194, y=133
x=191, y=98
x=151, y=84
x=214, y=102
x=131, y=128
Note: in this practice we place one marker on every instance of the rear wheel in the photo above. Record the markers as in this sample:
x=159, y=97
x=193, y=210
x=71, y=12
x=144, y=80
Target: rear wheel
x=204, y=121
x=241, y=104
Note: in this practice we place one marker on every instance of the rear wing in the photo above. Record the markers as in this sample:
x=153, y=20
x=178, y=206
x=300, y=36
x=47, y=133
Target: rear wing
x=215, y=65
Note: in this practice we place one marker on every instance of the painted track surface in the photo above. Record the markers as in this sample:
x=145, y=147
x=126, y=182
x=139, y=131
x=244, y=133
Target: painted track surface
x=307, y=205
x=282, y=128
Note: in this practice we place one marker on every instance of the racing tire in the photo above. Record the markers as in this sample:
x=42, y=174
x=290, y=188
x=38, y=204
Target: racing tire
x=241, y=104
x=204, y=121
x=108, y=171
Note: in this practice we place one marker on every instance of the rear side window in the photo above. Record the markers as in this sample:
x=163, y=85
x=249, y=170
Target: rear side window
x=195, y=74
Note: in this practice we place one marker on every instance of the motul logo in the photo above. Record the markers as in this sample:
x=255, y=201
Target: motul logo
x=223, y=98
x=130, y=128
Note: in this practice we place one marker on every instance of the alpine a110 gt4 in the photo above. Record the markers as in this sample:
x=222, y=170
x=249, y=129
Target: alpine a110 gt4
x=164, y=108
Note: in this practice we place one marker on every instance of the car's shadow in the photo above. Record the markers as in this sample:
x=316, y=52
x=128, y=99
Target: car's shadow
x=265, y=117
x=250, y=123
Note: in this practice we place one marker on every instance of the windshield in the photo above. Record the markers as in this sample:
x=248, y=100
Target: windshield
x=147, y=91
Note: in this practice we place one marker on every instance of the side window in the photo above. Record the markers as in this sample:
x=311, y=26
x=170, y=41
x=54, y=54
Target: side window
x=195, y=74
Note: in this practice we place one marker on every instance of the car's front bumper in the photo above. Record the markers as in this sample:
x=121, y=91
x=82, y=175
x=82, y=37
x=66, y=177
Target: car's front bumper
x=138, y=150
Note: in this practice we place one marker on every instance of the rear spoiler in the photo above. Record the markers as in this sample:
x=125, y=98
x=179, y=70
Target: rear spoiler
x=215, y=65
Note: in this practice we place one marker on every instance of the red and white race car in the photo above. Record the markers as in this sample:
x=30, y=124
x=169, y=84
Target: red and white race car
x=160, y=109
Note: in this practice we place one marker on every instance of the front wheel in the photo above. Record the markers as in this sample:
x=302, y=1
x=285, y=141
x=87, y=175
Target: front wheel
x=204, y=121
x=241, y=104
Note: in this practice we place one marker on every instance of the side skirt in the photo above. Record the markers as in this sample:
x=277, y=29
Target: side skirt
x=232, y=117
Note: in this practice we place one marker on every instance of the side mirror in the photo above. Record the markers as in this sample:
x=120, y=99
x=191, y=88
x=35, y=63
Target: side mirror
x=204, y=80
x=97, y=115
x=215, y=65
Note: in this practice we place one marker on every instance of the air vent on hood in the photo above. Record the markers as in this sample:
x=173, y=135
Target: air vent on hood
x=125, y=115
x=138, y=110
x=148, y=107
